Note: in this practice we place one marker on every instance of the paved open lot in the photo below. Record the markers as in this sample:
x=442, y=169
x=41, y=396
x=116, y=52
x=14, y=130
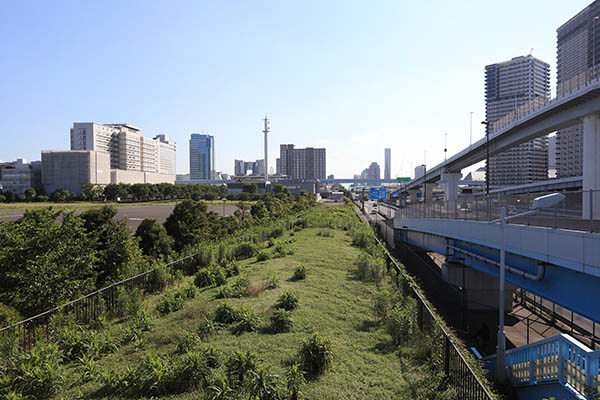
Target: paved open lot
x=134, y=214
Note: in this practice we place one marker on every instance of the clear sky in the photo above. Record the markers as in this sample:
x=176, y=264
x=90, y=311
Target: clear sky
x=352, y=76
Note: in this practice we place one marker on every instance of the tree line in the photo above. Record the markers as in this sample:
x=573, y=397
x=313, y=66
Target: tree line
x=126, y=192
x=49, y=257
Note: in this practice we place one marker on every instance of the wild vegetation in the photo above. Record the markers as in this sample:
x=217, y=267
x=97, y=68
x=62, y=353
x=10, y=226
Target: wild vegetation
x=344, y=334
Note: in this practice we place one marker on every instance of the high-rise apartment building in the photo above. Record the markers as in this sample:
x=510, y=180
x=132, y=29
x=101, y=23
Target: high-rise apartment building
x=167, y=151
x=387, y=169
x=202, y=157
x=509, y=85
x=577, y=51
x=308, y=163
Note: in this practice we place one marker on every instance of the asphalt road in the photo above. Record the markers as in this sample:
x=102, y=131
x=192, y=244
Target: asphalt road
x=134, y=214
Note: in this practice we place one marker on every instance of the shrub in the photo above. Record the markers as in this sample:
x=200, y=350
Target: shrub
x=204, y=277
x=280, y=251
x=245, y=250
x=173, y=300
x=315, y=354
x=361, y=238
x=262, y=256
x=225, y=314
x=401, y=323
x=128, y=302
x=8, y=315
x=235, y=290
x=159, y=280
x=207, y=328
x=232, y=269
x=213, y=356
x=38, y=373
x=287, y=301
x=281, y=321
x=187, y=342
x=169, y=302
x=220, y=276
x=247, y=321
x=324, y=233
x=273, y=282
x=239, y=365
x=382, y=305
x=263, y=385
x=294, y=380
x=369, y=268
x=299, y=273
x=277, y=232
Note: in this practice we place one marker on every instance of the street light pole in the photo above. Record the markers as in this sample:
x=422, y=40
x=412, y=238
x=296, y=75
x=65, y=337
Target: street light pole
x=501, y=349
x=471, y=129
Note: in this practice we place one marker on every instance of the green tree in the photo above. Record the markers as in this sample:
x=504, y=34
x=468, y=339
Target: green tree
x=154, y=240
x=30, y=194
x=44, y=262
x=250, y=188
x=118, y=253
x=189, y=223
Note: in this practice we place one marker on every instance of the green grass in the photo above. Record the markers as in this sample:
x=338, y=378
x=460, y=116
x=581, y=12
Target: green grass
x=332, y=301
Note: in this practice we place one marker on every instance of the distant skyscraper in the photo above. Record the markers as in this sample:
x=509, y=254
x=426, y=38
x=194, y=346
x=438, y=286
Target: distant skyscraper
x=202, y=157
x=387, y=170
x=373, y=172
x=308, y=163
x=509, y=85
x=578, y=50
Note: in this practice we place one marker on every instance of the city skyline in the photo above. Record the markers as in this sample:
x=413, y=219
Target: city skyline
x=311, y=104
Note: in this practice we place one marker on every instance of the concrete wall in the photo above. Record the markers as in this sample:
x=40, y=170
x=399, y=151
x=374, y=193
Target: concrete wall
x=132, y=177
x=69, y=170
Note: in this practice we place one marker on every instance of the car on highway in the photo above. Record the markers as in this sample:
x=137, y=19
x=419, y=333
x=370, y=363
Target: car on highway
x=373, y=211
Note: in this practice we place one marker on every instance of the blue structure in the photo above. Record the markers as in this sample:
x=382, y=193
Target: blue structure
x=202, y=157
x=377, y=194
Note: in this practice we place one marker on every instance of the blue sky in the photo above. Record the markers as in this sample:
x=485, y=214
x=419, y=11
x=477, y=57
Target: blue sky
x=352, y=76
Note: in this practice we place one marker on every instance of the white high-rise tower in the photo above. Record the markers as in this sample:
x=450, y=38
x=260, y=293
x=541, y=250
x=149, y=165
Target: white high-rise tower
x=266, y=131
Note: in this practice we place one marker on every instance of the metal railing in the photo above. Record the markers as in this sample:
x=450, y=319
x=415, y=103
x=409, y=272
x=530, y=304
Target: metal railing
x=455, y=366
x=566, y=88
x=560, y=359
x=584, y=329
x=86, y=309
x=579, y=211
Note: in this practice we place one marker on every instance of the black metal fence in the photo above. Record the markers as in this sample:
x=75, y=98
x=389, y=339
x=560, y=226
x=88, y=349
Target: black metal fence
x=455, y=367
x=88, y=308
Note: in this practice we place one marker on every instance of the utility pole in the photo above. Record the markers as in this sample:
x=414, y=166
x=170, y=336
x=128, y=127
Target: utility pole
x=266, y=131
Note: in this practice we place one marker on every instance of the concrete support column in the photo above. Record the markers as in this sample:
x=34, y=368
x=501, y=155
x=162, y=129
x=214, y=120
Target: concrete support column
x=412, y=195
x=428, y=191
x=480, y=288
x=591, y=165
x=450, y=180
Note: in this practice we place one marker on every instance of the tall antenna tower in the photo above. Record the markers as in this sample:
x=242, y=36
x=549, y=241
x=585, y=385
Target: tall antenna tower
x=266, y=131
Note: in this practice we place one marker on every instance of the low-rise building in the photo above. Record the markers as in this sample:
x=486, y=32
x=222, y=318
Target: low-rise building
x=16, y=176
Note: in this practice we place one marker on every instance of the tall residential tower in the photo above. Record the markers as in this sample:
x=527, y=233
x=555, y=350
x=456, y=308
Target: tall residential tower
x=578, y=50
x=202, y=157
x=387, y=169
x=509, y=85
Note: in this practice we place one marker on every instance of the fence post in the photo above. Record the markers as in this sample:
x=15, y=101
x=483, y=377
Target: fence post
x=446, y=355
